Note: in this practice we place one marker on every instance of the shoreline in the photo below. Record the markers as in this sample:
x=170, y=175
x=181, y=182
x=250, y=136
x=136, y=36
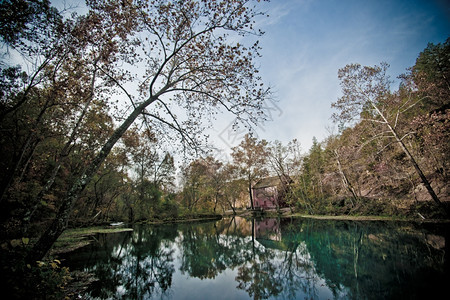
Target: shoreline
x=76, y=238
x=367, y=218
x=285, y=213
x=79, y=237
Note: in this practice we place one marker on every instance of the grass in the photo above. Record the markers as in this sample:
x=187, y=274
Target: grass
x=346, y=217
x=366, y=218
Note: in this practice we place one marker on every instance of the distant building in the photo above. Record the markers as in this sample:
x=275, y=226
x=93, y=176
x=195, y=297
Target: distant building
x=268, y=193
x=268, y=229
x=268, y=233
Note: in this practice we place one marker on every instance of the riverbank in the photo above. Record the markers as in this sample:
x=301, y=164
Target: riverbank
x=183, y=219
x=74, y=238
x=369, y=218
x=80, y=281
x=324, y=243
x=287, y=213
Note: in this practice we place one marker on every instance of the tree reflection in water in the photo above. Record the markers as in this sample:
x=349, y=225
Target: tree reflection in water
x=270, y=258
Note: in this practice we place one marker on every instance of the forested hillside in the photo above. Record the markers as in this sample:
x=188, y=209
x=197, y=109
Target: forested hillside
x=389, y=153
x=73, y=154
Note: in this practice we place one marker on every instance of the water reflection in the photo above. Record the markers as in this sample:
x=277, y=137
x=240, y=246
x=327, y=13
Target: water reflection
x=270, y=258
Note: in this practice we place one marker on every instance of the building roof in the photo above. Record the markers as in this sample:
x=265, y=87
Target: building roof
x=268, y=182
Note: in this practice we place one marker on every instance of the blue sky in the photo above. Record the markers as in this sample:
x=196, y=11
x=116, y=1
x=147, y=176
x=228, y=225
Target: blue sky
x=307, y=41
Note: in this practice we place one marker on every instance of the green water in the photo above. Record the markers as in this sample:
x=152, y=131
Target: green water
x=269, y=259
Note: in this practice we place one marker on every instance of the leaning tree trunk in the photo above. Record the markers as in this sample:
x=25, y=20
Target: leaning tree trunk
x=414, y=163
x=59, y=224
x=422, y=176
x=345, y=180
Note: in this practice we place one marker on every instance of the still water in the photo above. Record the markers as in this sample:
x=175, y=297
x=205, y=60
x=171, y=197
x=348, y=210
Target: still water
x=235, y=258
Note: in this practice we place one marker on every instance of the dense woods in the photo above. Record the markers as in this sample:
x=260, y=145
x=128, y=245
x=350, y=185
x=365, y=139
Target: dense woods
x=387, y=156
x=95, y=107
x=85, y=128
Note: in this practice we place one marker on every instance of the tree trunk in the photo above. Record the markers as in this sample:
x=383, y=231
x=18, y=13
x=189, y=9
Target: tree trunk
x=422, y=176
x=215, y=202
x=130, y=214
x=277, y=203
x=17, y=165
x=36, y=200
x=414, y=163
x=253, y=238
x=26, y=153
x=59, y=224
x=233, y=209
x=345, y=180
x=250, y=193
x=64, y=152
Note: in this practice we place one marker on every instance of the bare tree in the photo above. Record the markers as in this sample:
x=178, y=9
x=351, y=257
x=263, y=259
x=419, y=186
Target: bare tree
x=250, y=157
x=366, y=95
x=185, y=57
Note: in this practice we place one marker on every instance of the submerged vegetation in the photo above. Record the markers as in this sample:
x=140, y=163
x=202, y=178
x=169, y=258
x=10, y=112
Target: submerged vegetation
x=72, y=239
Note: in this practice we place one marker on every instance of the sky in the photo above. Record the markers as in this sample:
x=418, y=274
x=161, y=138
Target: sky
x=307, y=41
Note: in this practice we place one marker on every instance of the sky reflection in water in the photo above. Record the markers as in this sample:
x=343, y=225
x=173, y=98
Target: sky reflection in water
x=269, y=258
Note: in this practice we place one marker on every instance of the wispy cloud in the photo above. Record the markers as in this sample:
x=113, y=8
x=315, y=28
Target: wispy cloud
x=306, y=42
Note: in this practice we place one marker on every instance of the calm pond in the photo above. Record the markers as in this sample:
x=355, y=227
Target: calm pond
x=235, y=258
